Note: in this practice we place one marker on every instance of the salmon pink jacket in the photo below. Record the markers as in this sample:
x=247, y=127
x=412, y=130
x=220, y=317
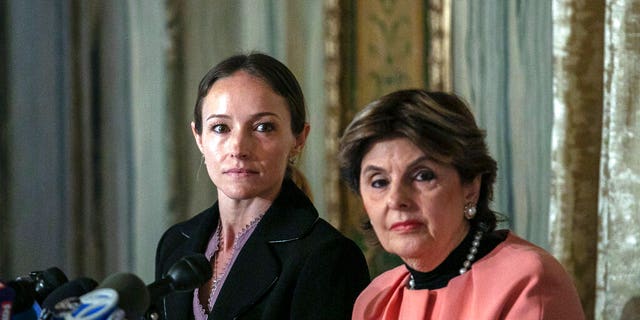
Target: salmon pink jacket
x=516, y=280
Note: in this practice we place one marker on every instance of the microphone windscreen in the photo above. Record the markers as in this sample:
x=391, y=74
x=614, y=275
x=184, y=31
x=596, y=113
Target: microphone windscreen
x=133, y=297
x=54, y=277
x=70, y=289
x=47, y=281
x=190, y=272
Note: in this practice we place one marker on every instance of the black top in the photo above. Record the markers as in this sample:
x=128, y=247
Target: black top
x=450, y=267
x=294, y=265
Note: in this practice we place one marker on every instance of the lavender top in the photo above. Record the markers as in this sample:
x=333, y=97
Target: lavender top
x=212, y=248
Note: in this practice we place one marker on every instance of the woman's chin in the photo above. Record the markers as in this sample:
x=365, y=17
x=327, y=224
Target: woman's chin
x=407, y=249
x=239, y=193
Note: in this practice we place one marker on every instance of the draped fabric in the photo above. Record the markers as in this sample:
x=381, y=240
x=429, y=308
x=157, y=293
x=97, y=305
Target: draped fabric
x=578, y=104
x=68, y=192
x=502, y=66
x=4, y=168
x=618, y=287
x=595, y=159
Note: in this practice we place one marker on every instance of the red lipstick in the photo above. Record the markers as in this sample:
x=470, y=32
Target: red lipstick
x=404, y=226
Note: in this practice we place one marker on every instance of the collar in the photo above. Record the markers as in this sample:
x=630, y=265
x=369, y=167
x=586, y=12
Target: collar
x=291, y=216
x=449, y=268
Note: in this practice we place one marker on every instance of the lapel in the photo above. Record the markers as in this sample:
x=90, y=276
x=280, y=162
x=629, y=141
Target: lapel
x=257, y=268
x=195, y=236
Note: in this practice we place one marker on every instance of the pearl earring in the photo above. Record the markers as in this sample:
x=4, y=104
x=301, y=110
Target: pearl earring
x=469, y=211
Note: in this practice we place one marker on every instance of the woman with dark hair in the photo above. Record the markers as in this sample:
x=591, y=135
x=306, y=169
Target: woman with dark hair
x=421, y=166
x=272, y=256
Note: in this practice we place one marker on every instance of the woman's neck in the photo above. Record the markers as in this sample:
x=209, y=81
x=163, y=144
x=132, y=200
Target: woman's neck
x=236, y=215
x=431, y=259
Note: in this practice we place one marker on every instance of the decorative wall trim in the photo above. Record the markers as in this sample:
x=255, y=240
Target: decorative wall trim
x=438, y=67
x=373, y=48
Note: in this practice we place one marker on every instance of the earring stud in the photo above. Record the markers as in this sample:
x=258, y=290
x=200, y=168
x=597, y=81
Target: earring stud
x=469, y=211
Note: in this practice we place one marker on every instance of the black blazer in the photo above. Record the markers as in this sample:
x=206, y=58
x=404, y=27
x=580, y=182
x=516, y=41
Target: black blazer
x=294, y=266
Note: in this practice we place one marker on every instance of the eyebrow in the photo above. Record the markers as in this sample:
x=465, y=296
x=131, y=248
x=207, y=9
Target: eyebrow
x=412, y=164
x=254, y=116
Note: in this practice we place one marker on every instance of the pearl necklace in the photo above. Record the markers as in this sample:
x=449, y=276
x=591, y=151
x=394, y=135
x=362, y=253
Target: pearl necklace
x=467, y=263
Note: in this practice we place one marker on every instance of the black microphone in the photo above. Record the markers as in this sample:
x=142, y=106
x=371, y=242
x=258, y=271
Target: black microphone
x=70, y=289
x=35, y=287
x=46, y=282
x=187, y=273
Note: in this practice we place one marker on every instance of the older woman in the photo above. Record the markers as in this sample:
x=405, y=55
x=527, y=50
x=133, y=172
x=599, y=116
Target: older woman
x=421, y=166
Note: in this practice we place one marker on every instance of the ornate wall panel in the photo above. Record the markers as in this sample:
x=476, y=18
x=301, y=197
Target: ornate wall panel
x=390, y=48
x=373, y=48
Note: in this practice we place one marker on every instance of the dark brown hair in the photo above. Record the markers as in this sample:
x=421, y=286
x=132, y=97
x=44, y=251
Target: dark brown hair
x=273, y=72
x=438, y=123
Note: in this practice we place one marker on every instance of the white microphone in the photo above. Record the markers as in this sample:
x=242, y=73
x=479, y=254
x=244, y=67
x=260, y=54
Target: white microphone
x=119, y=296
x=70, y=289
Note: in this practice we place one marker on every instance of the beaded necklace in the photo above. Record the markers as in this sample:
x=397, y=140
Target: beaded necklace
x=466, y=265
x=212, y=255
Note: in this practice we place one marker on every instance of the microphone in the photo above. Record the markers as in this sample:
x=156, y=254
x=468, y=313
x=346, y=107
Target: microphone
x=29, y=291
x=188, y=273
x=119, y=296
x=24, y=295
x=70, y=289
x=132, y=293
x=45, y=282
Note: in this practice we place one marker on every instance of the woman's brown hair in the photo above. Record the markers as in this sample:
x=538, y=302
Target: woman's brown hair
x=439, y=123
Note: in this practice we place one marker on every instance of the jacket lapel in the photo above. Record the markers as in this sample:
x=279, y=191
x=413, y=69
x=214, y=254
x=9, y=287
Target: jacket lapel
x=252, y=275
x=257, y=269
x=195, y=238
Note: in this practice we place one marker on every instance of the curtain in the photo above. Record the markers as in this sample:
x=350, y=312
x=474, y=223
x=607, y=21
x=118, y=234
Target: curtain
x=68, y=196
x=150, y=118
x=578, y=104
x=502, y=67
x=4, y=119
x=595, y=161
x=618, y=289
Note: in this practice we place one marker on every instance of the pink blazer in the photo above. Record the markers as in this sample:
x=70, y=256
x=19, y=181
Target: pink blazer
x=517, y=280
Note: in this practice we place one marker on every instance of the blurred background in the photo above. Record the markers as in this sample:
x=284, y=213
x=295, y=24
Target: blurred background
x=96, y=98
